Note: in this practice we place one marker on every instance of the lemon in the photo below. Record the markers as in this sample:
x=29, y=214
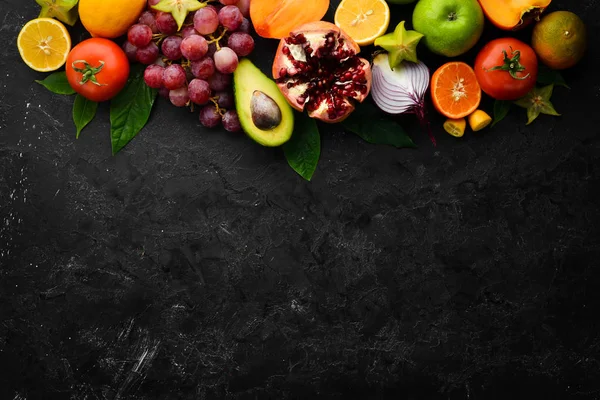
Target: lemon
x=44, y=44
x=363, y=20
x=109, y=18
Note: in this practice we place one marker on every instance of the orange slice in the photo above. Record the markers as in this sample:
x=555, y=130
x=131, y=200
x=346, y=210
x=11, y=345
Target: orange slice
x=455, y=91
x=363, y=20
x=44, y=44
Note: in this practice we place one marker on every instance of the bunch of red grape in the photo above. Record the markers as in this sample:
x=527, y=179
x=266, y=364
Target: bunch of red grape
x=194, y=65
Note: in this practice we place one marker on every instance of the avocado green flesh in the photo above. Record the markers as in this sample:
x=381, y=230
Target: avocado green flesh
x=246, y=79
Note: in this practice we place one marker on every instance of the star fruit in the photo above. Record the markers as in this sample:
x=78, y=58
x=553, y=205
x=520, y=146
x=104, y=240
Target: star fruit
x=537, y=102
x=63, y=10
x=400, y=44
x=179, y=9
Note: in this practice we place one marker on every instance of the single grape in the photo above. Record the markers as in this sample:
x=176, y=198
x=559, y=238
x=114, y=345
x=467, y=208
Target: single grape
x=147, y=18
x=230, y=17
x=194, y=47
x=209, y=116
x=206, y=20
x=139, y=35
x=171, y=47
x=153, y=3
x=226, y=61
x=147, y=55
x=130, y=50
x=228, y=2
x=199, y=91
x=166, y=23
x=174, y=77
x=245, y=26
x=164, y=92
x=231, y=122
x=212, y=49
x=179, y=97
x=203, y=68
x=219, y=81
x=244, y=6
x=241, y=43
x=153, y=76
x=225, y=99
x=188, y=31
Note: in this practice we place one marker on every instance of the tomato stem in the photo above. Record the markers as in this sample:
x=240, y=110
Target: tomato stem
x=88, y=72
x=511, y=65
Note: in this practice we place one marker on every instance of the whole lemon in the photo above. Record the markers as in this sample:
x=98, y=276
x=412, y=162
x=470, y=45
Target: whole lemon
x=109, y=18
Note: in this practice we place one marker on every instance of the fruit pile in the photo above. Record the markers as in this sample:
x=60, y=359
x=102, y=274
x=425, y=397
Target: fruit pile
x=195, y=54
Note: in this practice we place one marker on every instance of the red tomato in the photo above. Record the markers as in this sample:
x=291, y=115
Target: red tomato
x=506, y=69
x=97, y=69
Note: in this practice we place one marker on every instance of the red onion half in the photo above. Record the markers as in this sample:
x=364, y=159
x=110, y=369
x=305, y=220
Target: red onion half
x=401, y=90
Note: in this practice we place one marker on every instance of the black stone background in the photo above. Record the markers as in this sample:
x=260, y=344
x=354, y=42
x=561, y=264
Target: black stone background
x=196, y=265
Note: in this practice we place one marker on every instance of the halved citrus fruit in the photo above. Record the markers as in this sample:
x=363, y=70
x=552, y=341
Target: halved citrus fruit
x=363, y=20
x=44, y=44
x=455, y=91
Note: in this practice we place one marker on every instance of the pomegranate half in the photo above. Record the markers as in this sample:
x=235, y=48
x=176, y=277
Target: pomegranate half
x=317, y=68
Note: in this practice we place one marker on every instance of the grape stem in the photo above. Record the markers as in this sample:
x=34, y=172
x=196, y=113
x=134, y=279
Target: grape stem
x=215, y=101
x=216, y=40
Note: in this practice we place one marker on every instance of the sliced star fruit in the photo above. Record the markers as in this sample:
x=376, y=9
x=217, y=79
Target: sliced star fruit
x=179, y=9
x=537, y=102
x=401, y=45
x=62, y=10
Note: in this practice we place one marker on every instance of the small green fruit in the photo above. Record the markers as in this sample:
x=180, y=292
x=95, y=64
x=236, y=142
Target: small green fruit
x=62, y=10
x=451, y=27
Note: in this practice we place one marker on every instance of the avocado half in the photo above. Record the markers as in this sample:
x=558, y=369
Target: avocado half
x=248, y=79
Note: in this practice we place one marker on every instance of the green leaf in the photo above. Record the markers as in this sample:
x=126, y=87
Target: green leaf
x=375, y=127
x=303, y=150
x=84, y=111
x=130, y=109
x=501, y=109
x=57, y=83
x=547, y=76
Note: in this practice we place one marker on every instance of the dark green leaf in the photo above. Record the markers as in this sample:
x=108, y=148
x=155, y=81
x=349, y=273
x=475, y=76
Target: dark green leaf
x=547, y=76
x=501, y=109
x=84, y=111
x=130, y=109
x=57, y=83
x=303, y=150
x=375, y=127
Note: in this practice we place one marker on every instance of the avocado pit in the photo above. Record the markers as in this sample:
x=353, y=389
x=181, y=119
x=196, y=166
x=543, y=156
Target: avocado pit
x=265, y=112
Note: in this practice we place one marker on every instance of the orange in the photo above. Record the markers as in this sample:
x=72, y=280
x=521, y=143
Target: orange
x=44, y=44
x=455, y=91
x=559, y=39
x=363, y=20
x=109, y=18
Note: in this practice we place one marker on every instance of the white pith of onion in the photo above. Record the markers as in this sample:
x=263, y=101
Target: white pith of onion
x=401, y=90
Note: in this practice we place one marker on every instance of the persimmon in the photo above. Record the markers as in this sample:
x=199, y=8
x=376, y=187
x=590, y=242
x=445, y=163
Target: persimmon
x=513, y=14
x=275, y=19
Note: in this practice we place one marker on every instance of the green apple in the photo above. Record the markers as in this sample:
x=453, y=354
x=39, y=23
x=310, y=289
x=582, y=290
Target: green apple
x=451, y=27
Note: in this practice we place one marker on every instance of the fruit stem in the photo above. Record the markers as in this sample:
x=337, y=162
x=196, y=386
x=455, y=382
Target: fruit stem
x=88, y=72
x=215, y=101
x=511, y=65
x=216, y=40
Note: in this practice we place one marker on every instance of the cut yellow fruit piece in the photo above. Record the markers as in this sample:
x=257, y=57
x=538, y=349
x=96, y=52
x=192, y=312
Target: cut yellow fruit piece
x=478, y=120
x=44, y=44
x=363, y=20
x=455, y=127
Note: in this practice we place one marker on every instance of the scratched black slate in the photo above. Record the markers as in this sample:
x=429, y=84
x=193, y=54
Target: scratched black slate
x=197, y=265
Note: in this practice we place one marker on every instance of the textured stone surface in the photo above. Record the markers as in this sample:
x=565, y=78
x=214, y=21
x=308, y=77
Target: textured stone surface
x=196, y=265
